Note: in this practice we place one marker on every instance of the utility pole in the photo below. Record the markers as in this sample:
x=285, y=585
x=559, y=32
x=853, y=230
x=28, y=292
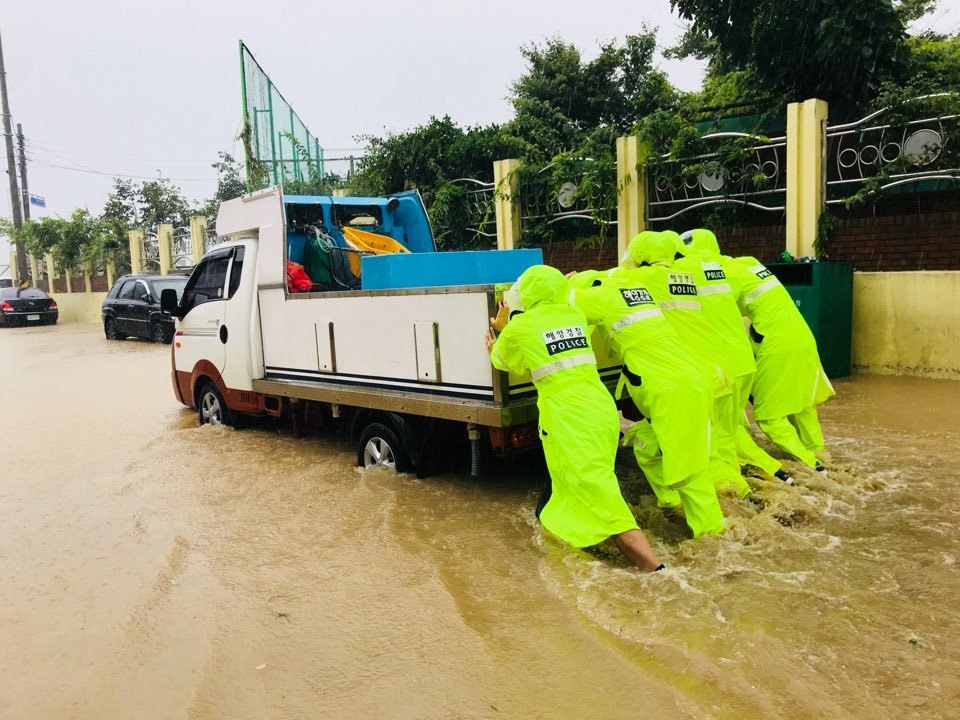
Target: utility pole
x=23, y=174
x=12, y=171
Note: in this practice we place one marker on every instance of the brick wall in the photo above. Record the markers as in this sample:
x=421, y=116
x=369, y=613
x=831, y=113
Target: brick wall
x=918, y=241
x=567, y=255
x=907, y=242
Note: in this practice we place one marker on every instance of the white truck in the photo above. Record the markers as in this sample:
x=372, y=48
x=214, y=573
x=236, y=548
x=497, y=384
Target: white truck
x=402, y=370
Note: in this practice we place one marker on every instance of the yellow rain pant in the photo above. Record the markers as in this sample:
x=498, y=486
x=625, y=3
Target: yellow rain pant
x=724, y=461
x=798, y=434
x=748, y=452
x=585, y=506
x=696, y=494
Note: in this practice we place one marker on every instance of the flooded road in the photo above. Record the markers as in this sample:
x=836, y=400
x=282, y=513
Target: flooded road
x=150, y=568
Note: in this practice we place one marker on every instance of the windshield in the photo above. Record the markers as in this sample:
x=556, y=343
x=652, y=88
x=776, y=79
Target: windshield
x=23, y=293
x=169, y=283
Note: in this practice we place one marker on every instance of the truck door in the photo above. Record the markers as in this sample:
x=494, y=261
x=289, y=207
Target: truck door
x=202, y=334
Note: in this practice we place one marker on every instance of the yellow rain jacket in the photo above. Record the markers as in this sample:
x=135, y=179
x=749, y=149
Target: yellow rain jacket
x=667, y=384
x=579, y=425
x=789, y=377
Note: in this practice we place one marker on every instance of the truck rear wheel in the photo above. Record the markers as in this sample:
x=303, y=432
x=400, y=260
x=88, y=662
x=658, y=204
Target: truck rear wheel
x=379, y=446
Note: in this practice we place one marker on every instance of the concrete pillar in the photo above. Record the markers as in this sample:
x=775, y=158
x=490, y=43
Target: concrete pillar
x=34, y=271
x=806, y=149
x=111, y=272
x=69, y=276
x=51, y=271
x=506, y=185
x=198, y=237
x=87, y=272
x=165, y=246
x=339, y=192
x=13, y=267
x=631, y=191
x=136, y=251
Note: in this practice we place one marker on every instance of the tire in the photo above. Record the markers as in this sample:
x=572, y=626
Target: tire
x=379, y=446
x=110, y=330
x=158, y=334
x=211, y=409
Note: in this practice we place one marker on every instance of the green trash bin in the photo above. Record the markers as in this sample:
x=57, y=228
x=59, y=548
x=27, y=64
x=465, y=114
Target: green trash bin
x=823, y=292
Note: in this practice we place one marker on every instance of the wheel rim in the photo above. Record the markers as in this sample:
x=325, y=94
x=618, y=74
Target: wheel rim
x=111, y=329
x=158, y=334
x=378, y=453
x=210, y=410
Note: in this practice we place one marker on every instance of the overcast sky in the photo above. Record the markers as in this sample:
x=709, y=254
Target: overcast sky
x=130, y=88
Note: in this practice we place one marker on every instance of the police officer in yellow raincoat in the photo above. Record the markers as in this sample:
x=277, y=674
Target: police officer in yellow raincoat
x=719, y=307
x=579, y=425
x=790, y=380
x=676, y=291
x=673, y=390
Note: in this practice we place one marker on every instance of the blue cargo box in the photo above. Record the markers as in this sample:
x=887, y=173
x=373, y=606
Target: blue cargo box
x=481, y=267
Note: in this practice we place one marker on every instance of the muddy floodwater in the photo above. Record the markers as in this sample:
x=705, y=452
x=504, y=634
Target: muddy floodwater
x=151, y=568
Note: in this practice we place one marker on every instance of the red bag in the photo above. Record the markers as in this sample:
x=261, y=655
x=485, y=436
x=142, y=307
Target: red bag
x=297, y=278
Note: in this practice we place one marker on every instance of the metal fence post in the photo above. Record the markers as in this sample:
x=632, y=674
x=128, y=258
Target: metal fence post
x=507, y=202
x=631, y=191
x=806, y=136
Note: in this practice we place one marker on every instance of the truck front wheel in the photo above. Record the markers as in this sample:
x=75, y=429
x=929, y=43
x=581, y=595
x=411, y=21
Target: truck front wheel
x=379, y=446
x=211, y=407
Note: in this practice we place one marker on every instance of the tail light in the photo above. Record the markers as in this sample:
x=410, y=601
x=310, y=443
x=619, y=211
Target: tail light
x=6, y=307
x=521, y=437
x=53, y=305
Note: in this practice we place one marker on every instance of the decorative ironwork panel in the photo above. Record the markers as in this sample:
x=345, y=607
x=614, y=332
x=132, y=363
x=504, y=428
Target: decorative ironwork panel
x=901, y=145
x=581, y=190
x=150, y=253
x=182, y=248
x=753, y=177
x=472, y=207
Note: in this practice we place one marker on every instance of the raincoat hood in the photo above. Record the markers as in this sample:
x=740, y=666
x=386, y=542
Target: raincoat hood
x=540, y=284
x=704, y=241
x=652, y=247
x=678, y=245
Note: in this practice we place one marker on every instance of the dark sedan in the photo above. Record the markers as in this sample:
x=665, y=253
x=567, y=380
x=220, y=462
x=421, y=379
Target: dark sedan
x=132, y=307
x=27, y=306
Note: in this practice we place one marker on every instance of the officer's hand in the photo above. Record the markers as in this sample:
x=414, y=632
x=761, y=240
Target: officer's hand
x=489, y=339
x=499, y=322
x=570, y=274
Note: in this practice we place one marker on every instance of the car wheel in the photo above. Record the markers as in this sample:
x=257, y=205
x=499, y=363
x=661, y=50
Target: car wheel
x=110, y=330
x=379, y=446
x=211, y=407
x=159, y=334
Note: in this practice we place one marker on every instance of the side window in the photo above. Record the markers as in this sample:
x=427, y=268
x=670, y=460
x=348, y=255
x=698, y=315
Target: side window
x=207, y=282
x=115, y=290
x=236, y=271
x=126, y=292
x=140, y=291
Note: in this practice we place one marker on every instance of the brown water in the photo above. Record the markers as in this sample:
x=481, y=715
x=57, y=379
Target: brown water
x=150, y=568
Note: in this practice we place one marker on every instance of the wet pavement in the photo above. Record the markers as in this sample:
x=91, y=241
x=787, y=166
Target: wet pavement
x=153, y=568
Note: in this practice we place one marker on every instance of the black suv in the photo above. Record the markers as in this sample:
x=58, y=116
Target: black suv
x=132, y=307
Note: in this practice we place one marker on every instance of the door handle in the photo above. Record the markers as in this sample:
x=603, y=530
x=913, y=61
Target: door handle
x=223, y=334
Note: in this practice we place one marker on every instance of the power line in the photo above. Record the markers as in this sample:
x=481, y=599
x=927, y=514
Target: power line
x=41, y=164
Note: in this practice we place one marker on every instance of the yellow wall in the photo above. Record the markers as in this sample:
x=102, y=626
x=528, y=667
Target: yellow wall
x=80, y=307
x=907, y=323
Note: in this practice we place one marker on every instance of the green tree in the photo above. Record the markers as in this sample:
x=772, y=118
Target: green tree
x=122, y=203
x=160, y=201
x=837, y=50
x=230, y=183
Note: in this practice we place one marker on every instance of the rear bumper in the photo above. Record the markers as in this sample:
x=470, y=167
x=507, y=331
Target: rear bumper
x=27, y=314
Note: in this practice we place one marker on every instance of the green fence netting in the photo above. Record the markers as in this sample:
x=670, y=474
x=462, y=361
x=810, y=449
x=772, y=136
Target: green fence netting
x=278, y=146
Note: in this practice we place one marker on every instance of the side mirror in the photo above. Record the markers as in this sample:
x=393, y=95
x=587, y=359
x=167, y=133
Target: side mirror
x=148, y=298
x=168, y=302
